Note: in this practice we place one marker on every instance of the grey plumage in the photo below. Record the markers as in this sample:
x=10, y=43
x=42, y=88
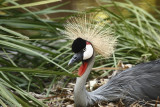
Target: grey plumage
x=141, y=82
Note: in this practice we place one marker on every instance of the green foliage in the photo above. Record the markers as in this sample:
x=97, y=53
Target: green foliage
x=32, y=51
x=138, y=32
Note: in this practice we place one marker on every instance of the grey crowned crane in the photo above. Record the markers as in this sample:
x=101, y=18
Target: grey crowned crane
x=141, y=82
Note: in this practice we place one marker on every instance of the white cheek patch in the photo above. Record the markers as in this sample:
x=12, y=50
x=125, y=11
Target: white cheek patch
x=88, y=52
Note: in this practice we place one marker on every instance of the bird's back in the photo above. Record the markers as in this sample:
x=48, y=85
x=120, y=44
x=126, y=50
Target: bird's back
x=141, y=82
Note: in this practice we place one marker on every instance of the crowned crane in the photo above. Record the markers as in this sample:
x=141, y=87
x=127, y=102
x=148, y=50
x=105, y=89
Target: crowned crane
x=141, y=82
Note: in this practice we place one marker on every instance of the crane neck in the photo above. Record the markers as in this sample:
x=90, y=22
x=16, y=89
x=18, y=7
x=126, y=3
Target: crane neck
x=80, y=92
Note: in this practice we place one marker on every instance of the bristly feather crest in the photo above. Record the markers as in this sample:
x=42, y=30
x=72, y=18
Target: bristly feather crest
x=87, y=28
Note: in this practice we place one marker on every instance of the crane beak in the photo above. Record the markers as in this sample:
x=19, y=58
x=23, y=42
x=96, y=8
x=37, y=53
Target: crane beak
x=77, y=57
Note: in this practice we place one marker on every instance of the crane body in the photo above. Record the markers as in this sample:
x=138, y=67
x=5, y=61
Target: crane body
x=141, y=82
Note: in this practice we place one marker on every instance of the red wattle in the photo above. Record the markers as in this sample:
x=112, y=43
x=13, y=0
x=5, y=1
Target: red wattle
x=88, y=43
x=82, y=68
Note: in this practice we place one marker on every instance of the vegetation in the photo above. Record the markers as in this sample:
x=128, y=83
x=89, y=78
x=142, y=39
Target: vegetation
x=34, y=54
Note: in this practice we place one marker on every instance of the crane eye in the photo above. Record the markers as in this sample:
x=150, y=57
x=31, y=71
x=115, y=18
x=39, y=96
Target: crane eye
x=84, y=49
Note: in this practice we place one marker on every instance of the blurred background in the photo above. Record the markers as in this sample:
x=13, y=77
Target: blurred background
x=82, y=5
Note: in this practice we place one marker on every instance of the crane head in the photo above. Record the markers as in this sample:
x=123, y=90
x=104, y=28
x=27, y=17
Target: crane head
x=83, y=52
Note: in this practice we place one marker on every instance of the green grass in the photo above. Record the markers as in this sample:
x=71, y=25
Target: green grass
x=30, y=52
x=34, y=55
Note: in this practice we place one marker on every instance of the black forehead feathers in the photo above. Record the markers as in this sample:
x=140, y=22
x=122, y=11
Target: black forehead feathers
x=78, y=45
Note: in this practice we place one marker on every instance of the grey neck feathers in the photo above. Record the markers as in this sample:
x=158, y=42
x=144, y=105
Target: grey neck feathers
x=83, y=98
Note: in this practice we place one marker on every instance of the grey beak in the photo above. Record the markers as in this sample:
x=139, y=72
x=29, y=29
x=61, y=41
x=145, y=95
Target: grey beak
x=77, y=57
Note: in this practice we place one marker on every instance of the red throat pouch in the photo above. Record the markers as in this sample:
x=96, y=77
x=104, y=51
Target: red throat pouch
x=82, y=68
